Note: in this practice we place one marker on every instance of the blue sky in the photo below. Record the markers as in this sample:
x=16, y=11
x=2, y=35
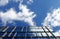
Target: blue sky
x=40, y=8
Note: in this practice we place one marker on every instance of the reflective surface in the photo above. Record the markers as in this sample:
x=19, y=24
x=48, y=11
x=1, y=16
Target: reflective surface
x=26, y=32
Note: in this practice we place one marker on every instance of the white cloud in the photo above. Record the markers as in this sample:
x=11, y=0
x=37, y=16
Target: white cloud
x=21, y=1
x=52, y=19
x=3, y=2
x=30, y=1
x=18, y=0
x=57, y=33
x=26, y=15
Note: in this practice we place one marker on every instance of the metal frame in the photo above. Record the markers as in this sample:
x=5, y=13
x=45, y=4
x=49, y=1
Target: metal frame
x=26, y=30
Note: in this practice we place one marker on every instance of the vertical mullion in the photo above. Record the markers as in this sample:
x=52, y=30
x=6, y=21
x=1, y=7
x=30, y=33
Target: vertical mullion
x=26, y=33
x=22, y=29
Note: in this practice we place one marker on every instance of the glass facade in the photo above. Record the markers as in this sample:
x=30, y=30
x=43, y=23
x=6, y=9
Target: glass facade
x=27, y=32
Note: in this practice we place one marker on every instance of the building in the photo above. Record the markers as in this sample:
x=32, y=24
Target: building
x=27, y=32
